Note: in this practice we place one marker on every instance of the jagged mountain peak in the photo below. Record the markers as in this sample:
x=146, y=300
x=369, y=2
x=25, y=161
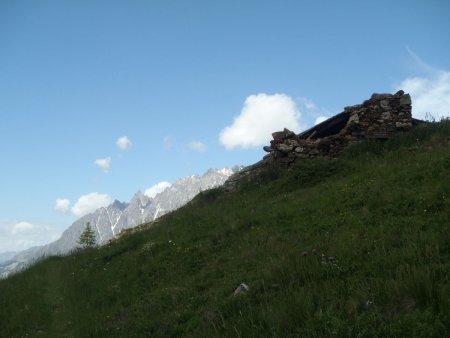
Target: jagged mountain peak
x=109, y=221
x=140, y=198
x=118, y=205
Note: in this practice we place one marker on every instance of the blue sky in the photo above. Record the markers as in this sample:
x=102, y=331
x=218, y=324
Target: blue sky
x=190, y=84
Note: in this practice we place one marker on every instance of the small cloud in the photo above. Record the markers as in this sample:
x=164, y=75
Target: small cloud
x=197, y=146
x=62, y=205
x=167, y=142
x=123, y=142
x=103, y=163
x=156, y=189
x=89, y=203
x=22, y=227
x=261, y=115
x=320, y=119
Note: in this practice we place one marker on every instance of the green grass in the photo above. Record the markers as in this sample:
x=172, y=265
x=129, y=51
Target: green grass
x=382, y=211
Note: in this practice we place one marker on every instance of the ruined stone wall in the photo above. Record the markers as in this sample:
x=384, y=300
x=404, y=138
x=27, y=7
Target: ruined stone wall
x=382, y=116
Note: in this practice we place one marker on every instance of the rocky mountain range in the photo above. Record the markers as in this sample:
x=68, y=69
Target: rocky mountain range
x=110, y=221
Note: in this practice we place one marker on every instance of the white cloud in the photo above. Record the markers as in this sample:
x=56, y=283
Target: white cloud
x=156, y=189
x=103, y=163
x=62, y=205
x=123, y=142
x=261, y=115
x=320, y=119
x=429, y=94
x=197, y=146
x=22, y=227
x=18, y=236
x=89, y=203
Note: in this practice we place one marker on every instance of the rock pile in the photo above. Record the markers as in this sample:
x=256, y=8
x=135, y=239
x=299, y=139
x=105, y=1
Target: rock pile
x=382, y=116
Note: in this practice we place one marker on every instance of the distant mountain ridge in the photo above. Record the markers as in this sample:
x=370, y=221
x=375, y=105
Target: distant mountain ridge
x=109, y=221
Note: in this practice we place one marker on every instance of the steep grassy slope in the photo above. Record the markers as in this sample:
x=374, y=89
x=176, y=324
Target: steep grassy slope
x=378, y=219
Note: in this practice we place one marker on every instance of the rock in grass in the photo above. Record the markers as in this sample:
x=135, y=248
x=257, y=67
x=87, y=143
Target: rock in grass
x=241, y=289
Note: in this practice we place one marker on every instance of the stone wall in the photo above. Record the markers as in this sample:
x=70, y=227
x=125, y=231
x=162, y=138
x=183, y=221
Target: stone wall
x=382, y=116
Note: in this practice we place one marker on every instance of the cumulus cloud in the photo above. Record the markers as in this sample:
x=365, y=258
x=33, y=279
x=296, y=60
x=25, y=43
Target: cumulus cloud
x=17, y=236
x=197, y=146
x=22, y=227
x=429, y=94
x=156, y=189
x=261, y=115
x=62, y=205
x=89, y=203
x=103, y=163
x=86, y=204
x=123, y=142
x=320, y=119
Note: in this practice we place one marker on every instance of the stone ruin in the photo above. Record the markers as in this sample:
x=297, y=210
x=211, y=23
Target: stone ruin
x=380, y=117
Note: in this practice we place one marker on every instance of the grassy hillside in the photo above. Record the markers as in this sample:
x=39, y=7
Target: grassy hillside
x=377, y=219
